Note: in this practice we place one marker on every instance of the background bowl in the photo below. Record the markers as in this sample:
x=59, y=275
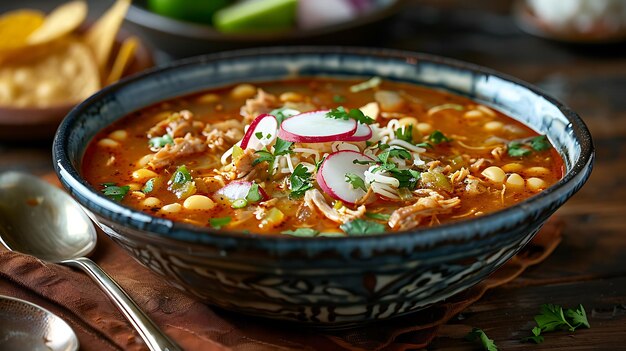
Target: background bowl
x=325, y=281
x=183, y=39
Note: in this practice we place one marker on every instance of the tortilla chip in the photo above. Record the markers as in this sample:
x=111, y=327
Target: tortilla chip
x=16, y=26
x=63, y=20
x=124, y=57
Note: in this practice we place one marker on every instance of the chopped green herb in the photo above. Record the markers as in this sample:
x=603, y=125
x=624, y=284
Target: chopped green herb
x=525, y=147
x=264, y=156
x=536, y=338
x=356, y=181
x=254, y=195
x=239, y=203
x=318, y=164
x=578, y=317
x=305, y=232
x=338, y=99
x=437, y=137
x=540, y=143
x=362, y=227
x=149, y=186
x=405, y=133
x=479, y=334
x=259, y=135
x=356, y=114
x=107, y=184
x=300, y=181
x=237, y=151
x=378, y=216
x=114, y=192
x=181, y=176
x=219, y=222
x=368, y=84
x=159, y=142
x=408, y=178
x=282, y=147
x=395, y=152
x=181, y=183
x=283, y=113
x=425, y=145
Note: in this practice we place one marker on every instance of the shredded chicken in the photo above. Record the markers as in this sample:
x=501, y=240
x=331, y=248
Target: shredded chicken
x=177, y=125
x=459, y=176
x=474, y=186
x=261, y=103
x=498, y=152
x=411, y=216
x=244, y=168
x=479, y=164
x=182, y=147
x=314, y=199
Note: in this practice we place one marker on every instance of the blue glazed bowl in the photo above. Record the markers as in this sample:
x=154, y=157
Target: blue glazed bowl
x=325, y=281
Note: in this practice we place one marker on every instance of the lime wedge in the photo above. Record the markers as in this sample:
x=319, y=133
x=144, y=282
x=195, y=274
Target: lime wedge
x=256, y=15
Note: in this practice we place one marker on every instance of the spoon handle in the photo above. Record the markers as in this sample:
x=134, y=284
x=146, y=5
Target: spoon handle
x=149, y=332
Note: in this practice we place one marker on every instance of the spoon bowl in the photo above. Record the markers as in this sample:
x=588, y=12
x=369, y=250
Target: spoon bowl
x=26, y=326
x=41, y=220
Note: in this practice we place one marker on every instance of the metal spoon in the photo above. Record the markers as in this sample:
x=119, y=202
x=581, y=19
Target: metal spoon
x=27, y=326
x=41, y=220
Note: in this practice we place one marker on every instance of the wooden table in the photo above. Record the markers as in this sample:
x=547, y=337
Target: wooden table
x=589, y=267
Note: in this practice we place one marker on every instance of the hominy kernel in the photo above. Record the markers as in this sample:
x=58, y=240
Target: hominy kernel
x=493, y=126
x=424, y=128
x=512, y=128
x=108, y=143
x=405, y=121
x=512, y=167
x=243, y=91
x=119, y=135
x=515, y=181
x=536, y=171
x=171, y=208
x=134, y=186
x=198, y=202
x=486, y=110
x=138, y=194
x=144, y=160
x=473, y=114
x=291, y=96
x=494, y=174
x=142, y=174
x=536, y=184
x=151, y=202
x=208, y=98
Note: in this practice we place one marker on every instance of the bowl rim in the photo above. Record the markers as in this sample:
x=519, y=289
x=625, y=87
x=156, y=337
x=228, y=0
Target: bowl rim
x=140, y=15
x=460, y=231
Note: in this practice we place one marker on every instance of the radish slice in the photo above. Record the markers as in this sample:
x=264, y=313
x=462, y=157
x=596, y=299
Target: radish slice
x=363, y=132
x=239, y=190
x=264, y=126
x=315, y=127
x=331, y=176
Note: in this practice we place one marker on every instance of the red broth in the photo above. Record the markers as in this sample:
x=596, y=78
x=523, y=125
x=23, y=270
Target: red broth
x=433, y=157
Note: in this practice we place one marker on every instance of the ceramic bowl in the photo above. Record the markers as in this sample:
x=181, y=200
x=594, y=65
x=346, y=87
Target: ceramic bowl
x=183, y=39
x=325, y=281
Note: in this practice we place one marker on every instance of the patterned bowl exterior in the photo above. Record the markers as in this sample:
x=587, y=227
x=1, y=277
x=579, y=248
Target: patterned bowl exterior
x=331, y=282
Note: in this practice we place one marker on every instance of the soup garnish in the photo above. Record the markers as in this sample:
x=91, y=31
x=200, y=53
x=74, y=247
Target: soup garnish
x=320, y=157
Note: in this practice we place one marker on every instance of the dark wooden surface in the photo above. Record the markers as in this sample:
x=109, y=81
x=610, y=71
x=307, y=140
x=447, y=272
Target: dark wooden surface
x=589, y=267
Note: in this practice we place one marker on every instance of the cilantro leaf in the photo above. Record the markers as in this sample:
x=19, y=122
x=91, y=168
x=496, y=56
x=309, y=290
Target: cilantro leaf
x=408, y=178
x=304, y=232
x=356, y=181
x=395, y=152
x=437, y=137
x=282, y=147
x=405, y=133
x=525, y=147
x=537, y=338
x=300, y=181
x=159, y=142
x=578, y=317
x=479, y=334
x=362, y=227
x=552, y=318
x=181, y=176
x=254, y=195
x=540, y=143
x=264, y=156
x=378, y=216
x=219, y=222
x=356, y=114
x=114, y=192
